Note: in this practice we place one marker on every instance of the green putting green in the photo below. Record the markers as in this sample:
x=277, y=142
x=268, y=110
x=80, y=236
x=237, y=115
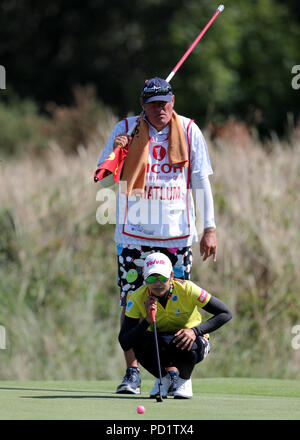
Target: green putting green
x=214, y=399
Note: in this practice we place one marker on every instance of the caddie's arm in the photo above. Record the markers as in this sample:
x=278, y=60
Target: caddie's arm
x=121, y=140
x=208, y=244
x=204, y=202
x=112, y=142
x=200, y=170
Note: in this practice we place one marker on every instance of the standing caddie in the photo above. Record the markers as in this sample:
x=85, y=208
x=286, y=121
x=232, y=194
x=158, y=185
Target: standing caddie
x=165, y=173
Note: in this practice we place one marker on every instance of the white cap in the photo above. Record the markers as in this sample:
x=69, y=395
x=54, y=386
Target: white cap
x=157, y=263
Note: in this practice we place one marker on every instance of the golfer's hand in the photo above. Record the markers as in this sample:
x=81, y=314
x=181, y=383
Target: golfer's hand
x=208, y=244
x=150, y=304
x=122, y=140
x=184, y=338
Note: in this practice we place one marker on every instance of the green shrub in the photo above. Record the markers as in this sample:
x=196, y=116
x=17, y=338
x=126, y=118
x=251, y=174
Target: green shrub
x=21, y=128
x=78, y=125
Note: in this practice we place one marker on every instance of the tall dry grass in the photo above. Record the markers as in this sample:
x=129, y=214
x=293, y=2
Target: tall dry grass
x=257, y=200
x=58, y=293
x=58, y=296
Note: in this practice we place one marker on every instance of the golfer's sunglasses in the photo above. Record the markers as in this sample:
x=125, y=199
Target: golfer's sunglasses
x=154, y=91
x=152, y=278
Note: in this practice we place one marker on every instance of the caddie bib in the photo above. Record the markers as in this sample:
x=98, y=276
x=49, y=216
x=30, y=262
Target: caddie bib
x=162, y=211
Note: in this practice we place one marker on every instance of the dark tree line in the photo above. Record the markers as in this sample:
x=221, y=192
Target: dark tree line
x=242, y=67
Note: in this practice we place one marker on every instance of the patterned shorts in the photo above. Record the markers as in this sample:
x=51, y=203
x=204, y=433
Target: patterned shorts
x=205, y=340
x=131, y=261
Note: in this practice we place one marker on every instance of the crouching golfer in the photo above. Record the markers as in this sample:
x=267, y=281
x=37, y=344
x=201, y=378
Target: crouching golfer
x=182, y=338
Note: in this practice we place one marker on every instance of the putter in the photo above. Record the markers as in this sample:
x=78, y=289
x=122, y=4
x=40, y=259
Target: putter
x=158, y=396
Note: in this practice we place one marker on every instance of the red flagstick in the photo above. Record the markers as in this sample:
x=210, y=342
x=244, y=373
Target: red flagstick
x=194, y=44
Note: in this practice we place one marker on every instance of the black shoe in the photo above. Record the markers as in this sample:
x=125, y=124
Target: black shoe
x=131, y=383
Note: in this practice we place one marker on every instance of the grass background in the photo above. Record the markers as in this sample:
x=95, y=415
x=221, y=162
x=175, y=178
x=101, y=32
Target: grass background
x=59, y=301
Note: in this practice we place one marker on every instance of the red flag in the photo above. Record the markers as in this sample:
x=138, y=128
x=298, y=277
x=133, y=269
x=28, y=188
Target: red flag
x=113, y=164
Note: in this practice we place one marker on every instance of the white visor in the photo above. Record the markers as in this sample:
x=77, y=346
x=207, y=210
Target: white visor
x=157, y=263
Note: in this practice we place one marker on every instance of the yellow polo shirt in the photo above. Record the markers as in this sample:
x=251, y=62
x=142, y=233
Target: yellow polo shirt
x=181, y=310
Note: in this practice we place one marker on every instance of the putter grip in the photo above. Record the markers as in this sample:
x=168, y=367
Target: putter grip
x=153, y=315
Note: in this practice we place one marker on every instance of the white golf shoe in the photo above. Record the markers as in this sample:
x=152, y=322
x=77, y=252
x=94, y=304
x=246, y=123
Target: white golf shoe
x=165, y=384
x=184, y=389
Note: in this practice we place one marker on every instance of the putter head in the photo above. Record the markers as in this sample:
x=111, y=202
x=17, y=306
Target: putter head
x=158, y=398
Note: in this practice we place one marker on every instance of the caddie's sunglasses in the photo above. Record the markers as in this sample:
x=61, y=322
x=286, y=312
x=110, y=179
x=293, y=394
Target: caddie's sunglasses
x=154, y=91
x=152, y=278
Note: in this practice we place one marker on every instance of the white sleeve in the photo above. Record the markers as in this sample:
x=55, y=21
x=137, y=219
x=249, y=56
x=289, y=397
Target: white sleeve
x=204, y=202
x=200, y=162
x=118, y=129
